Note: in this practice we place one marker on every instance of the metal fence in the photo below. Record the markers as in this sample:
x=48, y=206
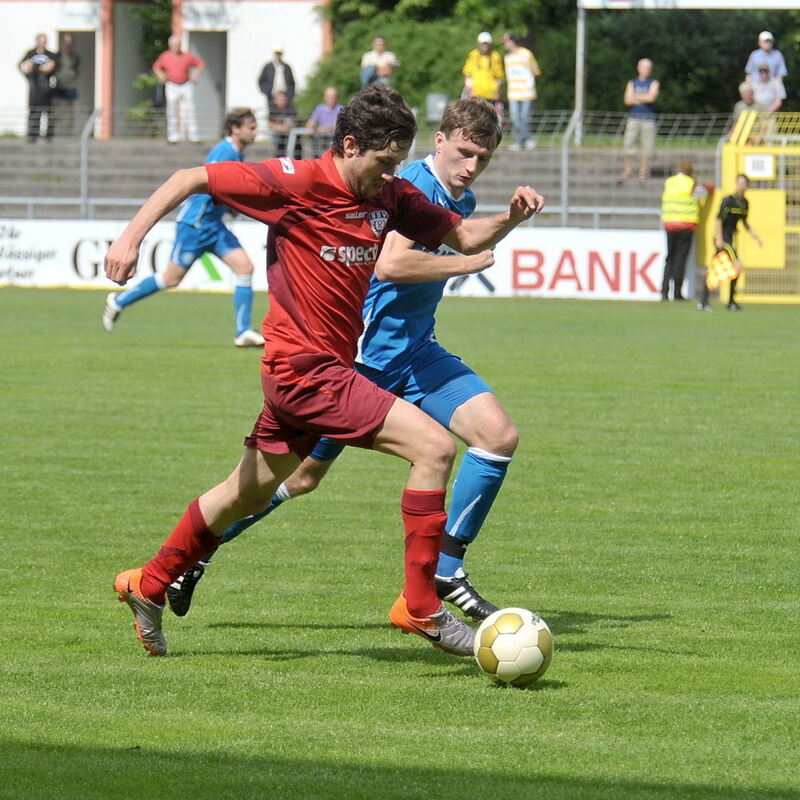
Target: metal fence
x=575, y=164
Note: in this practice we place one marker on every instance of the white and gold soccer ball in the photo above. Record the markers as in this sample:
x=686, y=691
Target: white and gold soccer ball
x=514, y=646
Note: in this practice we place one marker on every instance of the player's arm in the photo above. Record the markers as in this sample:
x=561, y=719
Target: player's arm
x=652, y=93
x=122, y=256
x=401, y=262
x=473, y=235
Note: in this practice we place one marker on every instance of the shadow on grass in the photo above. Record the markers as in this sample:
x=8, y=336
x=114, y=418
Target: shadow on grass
x=62, y=772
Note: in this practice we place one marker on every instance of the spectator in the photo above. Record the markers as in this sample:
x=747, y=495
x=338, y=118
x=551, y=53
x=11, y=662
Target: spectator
x=680, y=214
x=765, y=54
x=322, y=121
x=38, y=66
x=282, y=118
x=641, y=94
x=179, y=70
x=483, y=71
x=521, y=70
x=768, y=92
x=277, y=76
x=378, y=64
x=66, y=90
x=747, y=101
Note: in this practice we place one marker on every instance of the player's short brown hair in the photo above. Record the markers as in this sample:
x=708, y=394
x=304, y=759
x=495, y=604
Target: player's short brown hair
x=475, y=118
x=375, y=117
x=236, y=117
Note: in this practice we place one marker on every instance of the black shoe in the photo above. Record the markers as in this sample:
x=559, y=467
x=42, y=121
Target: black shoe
x=461, y=593
x=180, y=591
x=733, y=307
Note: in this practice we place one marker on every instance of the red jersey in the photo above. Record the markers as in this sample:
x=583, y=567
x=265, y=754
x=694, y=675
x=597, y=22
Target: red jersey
x=177, y=66
x=322, y=245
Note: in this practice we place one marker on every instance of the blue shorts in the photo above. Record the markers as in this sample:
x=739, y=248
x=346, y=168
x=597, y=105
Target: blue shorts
x=191, y=243
x=436, y=381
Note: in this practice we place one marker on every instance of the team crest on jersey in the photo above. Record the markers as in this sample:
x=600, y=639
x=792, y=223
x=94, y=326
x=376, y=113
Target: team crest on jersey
x=286, y=165
x=377, y=221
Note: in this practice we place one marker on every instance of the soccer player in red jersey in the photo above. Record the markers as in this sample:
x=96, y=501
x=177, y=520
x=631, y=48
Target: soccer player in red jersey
x=327, y=218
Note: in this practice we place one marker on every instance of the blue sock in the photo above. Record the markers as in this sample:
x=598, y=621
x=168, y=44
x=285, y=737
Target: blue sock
x=144, y=289
x=477, y=483
x=240, y=526
x=243, y=302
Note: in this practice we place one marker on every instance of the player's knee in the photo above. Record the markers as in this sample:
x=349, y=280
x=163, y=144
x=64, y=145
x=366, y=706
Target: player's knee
x=171, y=280
x=439, y=451
x=499, y=437
x=302, y=484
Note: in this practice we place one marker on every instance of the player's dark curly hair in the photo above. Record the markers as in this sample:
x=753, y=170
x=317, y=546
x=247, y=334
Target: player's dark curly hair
x=475, y=118
x=236, y=117
x=374, y=117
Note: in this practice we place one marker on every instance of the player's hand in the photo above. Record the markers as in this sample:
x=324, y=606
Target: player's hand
x=525, y=203
x=120, y=261
x=478, y=262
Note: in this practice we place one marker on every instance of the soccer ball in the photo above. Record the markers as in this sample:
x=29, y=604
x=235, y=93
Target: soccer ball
x=514, y=646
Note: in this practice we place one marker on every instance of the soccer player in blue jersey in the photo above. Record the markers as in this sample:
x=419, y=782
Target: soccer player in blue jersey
x=398, y=351
x=200, y=229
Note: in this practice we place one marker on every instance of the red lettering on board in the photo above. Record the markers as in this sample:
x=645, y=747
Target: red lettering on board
x=596, y=263
x=565, y=271
x=641, y=271
x=527, y=269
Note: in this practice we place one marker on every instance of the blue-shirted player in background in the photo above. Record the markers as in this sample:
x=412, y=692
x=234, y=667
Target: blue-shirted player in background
x=398, y=351
x=200, y=229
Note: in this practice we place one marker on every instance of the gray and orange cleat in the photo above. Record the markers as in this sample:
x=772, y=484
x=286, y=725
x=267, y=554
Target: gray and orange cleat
x=146, y=613
x=441, y=629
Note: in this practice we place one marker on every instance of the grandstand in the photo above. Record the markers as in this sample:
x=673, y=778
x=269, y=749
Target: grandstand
x=88, y=177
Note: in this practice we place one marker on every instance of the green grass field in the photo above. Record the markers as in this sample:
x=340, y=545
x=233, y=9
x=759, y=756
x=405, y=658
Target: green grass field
x=650, y=516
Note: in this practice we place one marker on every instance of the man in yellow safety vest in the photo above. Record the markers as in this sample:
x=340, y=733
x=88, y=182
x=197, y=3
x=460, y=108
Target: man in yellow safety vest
x=680, y=213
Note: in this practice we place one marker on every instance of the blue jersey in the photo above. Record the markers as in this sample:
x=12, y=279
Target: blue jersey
x=398, y=317
x=199, y=210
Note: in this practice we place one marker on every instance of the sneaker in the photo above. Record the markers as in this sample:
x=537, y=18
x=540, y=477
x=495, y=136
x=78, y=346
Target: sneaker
x=146, y=613
x=514, y=147
x=530, y=144
x=733, y=307
x=441, y=629
x=460, y=592
x=249, y=338
x=111, y=312
x=704, y=307
x=180, y=591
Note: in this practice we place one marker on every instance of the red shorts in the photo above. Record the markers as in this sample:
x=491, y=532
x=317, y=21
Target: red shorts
x=310, y=395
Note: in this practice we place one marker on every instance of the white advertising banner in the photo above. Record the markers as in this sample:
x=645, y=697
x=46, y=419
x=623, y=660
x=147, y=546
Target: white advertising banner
x=535, y=262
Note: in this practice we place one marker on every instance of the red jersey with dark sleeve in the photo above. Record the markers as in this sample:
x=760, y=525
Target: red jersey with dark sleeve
x=322, y=245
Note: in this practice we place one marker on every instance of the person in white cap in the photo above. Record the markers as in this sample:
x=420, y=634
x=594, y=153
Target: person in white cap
x=483, y=70
x=766, y=54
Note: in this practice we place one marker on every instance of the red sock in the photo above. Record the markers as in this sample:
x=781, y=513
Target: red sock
x=424, y=518
x=186, y=545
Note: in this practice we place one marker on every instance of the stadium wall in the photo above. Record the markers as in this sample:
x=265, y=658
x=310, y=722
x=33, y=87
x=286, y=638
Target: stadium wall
x=536, y=262
x=251, y=30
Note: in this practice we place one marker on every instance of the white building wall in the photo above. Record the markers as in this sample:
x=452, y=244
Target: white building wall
x=255, y=28
x=22, y=21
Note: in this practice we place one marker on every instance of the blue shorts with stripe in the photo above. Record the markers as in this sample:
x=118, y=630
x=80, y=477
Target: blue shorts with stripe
x=191, y=243
x=435, y=380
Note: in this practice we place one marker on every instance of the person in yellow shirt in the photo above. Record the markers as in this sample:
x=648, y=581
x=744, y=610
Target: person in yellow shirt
x=483, y=70
x=522, y=69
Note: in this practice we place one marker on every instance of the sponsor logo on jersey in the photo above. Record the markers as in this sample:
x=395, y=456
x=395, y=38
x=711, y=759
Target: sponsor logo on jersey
x=378, y=220
x=355, y=215
x=286, y=165
x=349, y=254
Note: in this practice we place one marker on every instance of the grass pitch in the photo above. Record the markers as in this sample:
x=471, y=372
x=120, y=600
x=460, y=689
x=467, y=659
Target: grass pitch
x=650, y=516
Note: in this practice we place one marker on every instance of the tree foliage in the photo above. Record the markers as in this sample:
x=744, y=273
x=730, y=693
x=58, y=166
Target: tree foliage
x=699, y=56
